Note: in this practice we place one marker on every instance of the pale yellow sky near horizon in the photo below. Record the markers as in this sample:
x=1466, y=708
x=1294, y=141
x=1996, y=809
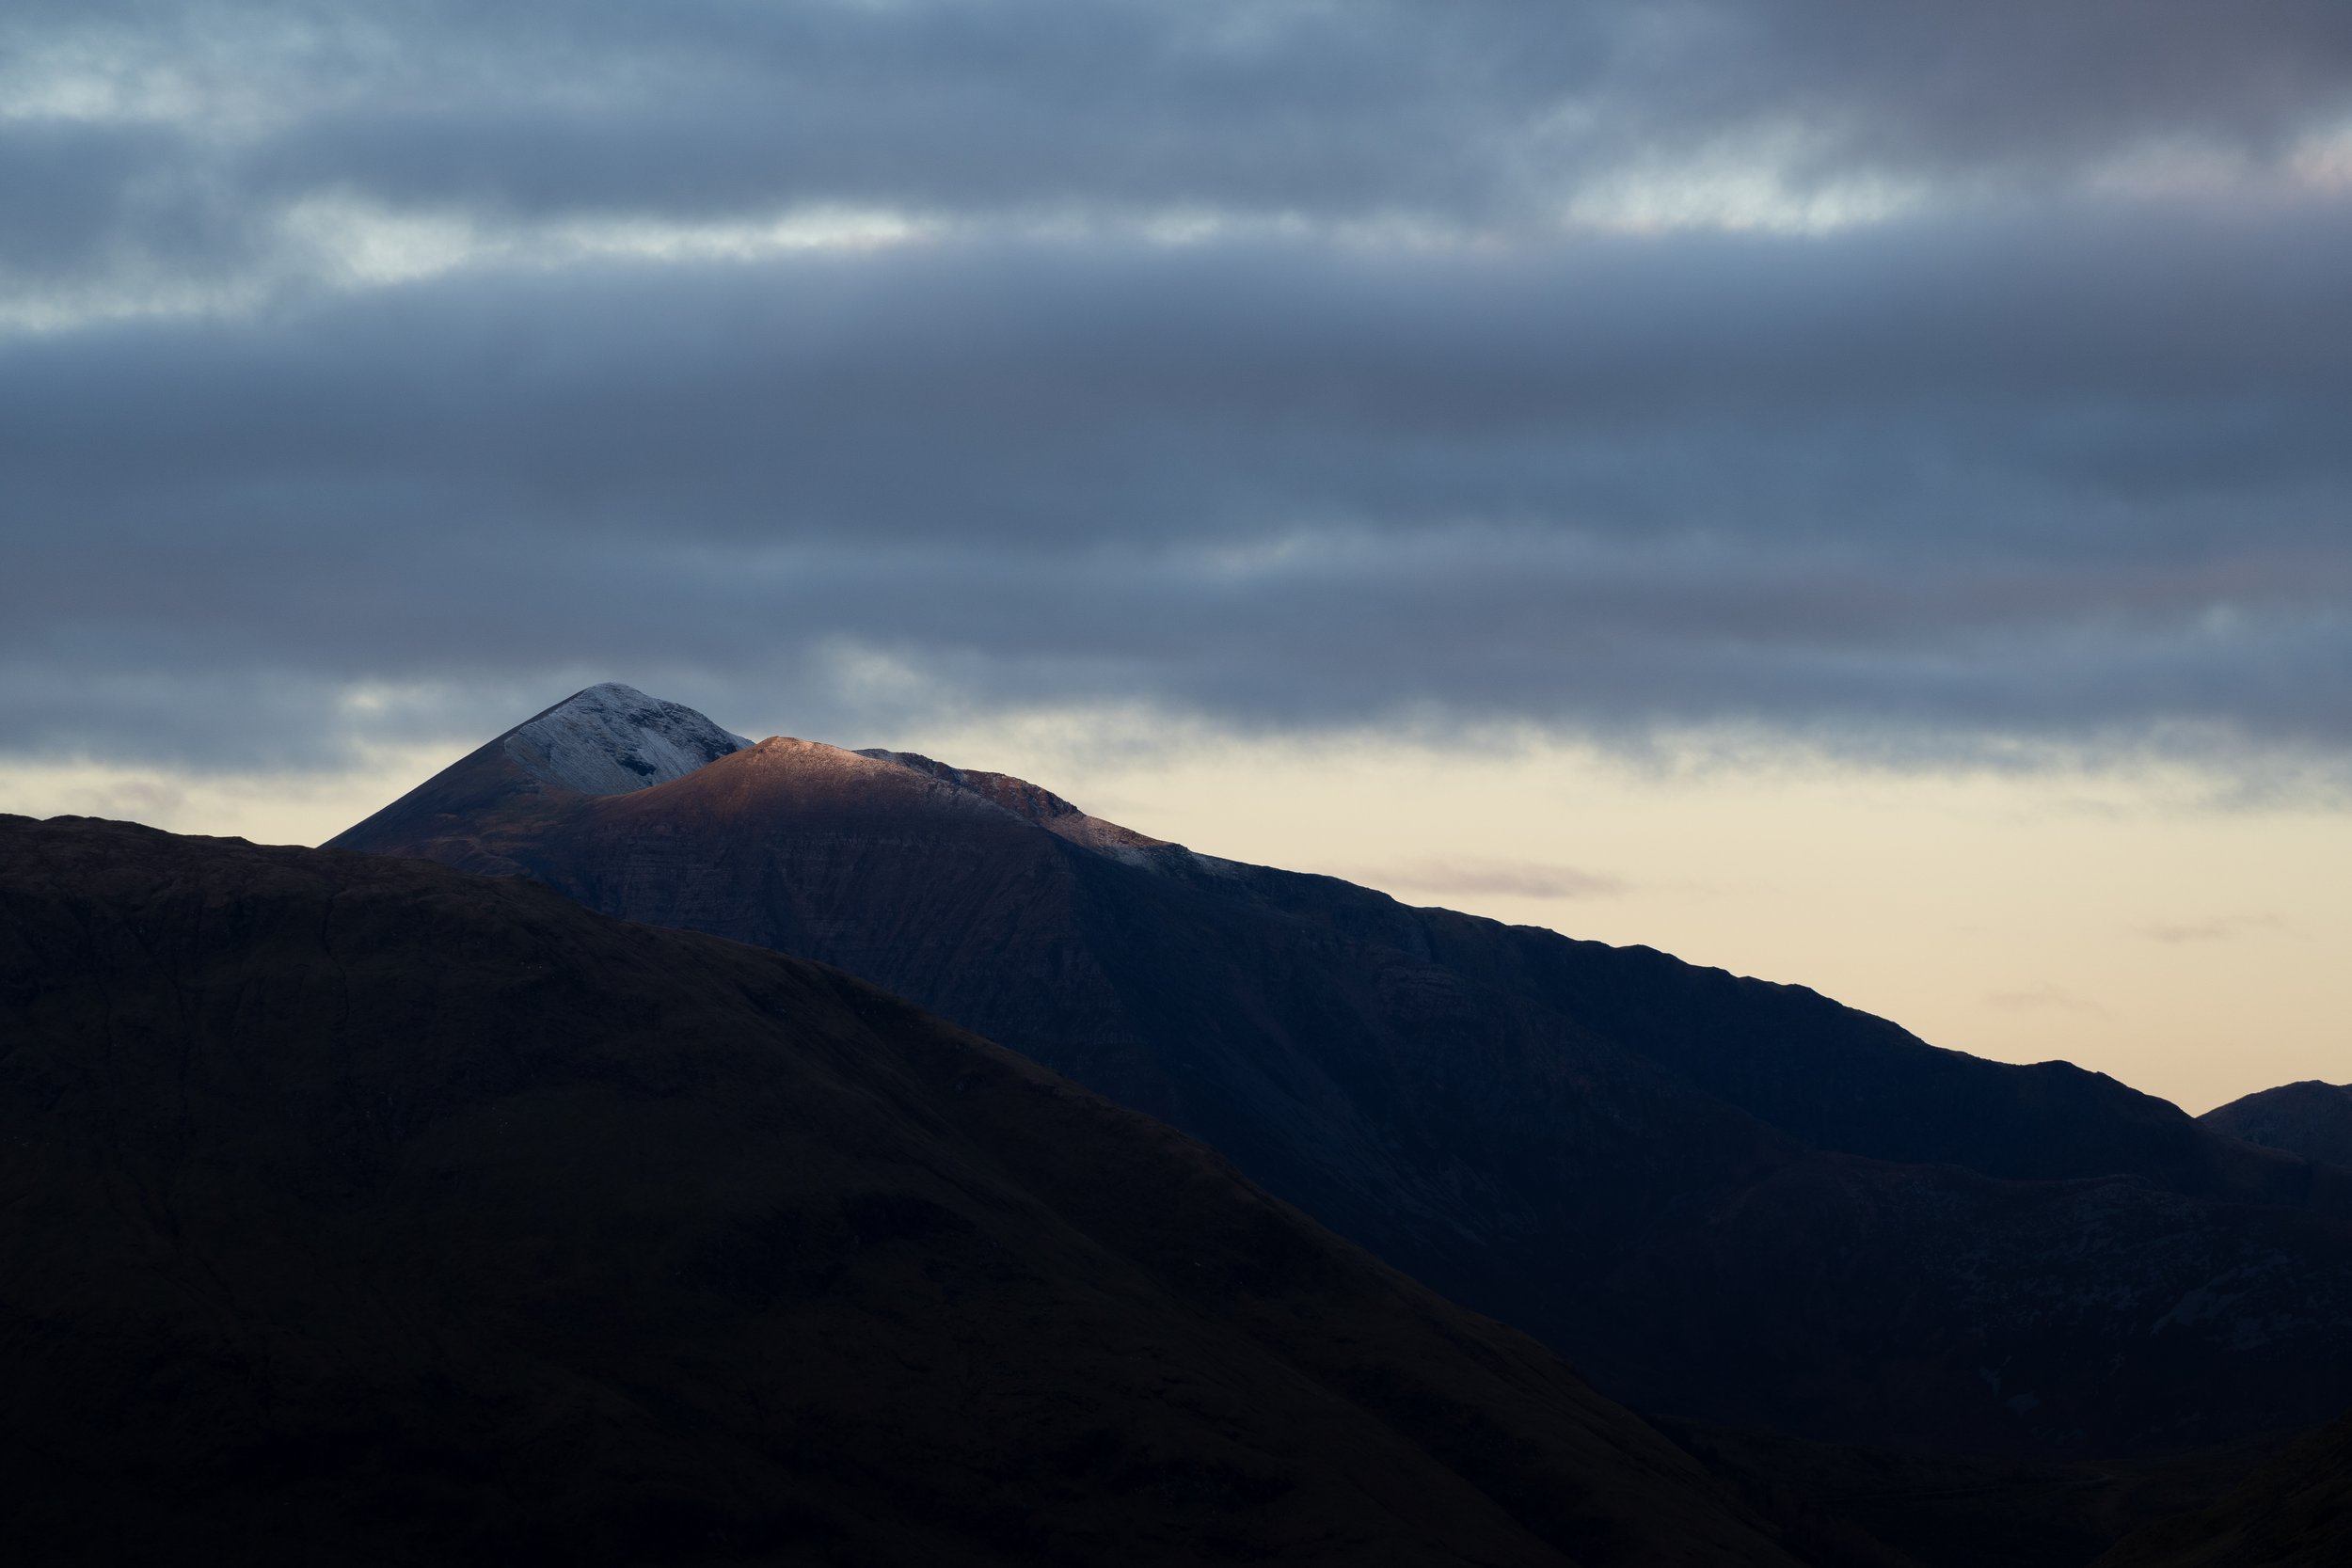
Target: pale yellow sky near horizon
x=2119, y=918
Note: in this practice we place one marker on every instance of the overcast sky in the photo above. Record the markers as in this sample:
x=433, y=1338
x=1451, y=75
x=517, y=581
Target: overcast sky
x=1936, y=373
x=1899, y=380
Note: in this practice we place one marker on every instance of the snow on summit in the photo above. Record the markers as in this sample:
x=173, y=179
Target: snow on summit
x=611, y=739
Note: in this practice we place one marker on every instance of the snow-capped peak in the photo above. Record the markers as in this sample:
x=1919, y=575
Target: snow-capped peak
x=611, y=739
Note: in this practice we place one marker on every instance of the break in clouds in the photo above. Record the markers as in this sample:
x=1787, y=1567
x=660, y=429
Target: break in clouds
x=1905, y=376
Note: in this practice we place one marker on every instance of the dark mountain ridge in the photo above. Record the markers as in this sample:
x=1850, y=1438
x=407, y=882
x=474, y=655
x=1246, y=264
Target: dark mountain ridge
x=1725, y=1199
x=2310, y=1119
x=361, y=1211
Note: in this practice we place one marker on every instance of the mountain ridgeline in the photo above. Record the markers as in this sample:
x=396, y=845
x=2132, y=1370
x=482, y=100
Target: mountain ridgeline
x=2310, y=1119
x=1722, y=1199
x=361, y=1212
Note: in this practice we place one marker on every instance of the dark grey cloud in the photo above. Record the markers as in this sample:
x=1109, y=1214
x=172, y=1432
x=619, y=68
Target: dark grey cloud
x=1485, y=112
x=2136, y=380
x=2027, y=460
x=2010, y=83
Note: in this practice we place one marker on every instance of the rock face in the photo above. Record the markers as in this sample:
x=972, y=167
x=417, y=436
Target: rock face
x=613, y=738
x=1025, y=799
x=2310, y=1119
x=360, y=1212
x=1723, y=1199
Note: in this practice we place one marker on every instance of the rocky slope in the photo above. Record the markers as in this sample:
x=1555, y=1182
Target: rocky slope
x=360, y=1212
x=1723, y=1200
x=2310, y=1119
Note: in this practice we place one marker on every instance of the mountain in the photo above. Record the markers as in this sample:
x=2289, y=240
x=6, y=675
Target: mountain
x=361, y=1211
x=2310, y=1119
x=1724, y=1200
x=2296, y=1512
x=606, y=740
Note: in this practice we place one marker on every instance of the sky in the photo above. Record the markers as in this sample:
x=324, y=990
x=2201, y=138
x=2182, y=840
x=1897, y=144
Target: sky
x=1854, y=493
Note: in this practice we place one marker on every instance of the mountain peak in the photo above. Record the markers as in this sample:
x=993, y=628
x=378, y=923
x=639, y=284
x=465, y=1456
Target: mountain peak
x=611, y=739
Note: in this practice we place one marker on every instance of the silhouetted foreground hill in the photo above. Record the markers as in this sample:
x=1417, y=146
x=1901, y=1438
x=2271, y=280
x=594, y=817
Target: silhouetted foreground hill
x=1723, y=1199
x=2310, y=1119
x=361, y=1212
x=2293, y=1512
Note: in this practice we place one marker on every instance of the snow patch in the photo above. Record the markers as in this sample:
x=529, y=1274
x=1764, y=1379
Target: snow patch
x=611, y=740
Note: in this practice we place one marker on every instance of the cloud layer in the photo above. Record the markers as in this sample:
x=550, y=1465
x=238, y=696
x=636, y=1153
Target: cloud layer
x=1905, y=375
